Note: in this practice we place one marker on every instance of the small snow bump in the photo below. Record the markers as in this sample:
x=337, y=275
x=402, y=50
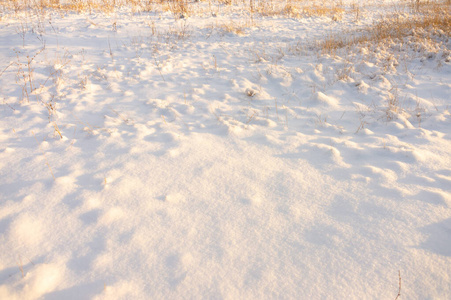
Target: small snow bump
x=9, y=150
x=112, y=215
x=174, y=198
x=324, y=99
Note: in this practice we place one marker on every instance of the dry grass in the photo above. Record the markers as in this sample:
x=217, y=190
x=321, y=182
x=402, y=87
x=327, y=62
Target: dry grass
x=74, y=5
x=319, y=10
x=397, y=38
x=183, y=8
x=428, y=21
x=296, y=8
x=234, y=27
x=180, y=8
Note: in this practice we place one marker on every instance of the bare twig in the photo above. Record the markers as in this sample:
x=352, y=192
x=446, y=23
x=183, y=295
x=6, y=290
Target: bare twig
x=20, y=264
x=399, y=290
x=10, y=64
x=158, y=67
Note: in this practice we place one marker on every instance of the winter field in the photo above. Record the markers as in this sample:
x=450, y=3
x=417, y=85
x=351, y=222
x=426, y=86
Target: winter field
x=228, y=149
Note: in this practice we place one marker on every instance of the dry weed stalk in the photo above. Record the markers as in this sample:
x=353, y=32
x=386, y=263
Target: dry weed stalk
x=25, y=73
x=20, y=265
x=399, y=285
x=393, y=106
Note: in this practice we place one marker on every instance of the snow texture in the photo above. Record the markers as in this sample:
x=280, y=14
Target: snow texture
x=144, y=156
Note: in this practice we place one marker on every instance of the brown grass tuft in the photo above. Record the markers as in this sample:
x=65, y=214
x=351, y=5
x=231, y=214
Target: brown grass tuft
x=431, y=20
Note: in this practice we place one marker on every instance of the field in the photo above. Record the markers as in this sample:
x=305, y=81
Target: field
x=225, y=149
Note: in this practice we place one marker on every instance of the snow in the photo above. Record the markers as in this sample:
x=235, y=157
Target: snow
x=148, y=156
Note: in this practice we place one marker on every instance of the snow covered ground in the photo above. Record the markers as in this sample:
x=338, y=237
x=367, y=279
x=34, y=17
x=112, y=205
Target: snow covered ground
x=223, y=154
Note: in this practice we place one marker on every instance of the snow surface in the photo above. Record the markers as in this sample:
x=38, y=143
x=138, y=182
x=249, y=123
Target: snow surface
x=175, y=158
